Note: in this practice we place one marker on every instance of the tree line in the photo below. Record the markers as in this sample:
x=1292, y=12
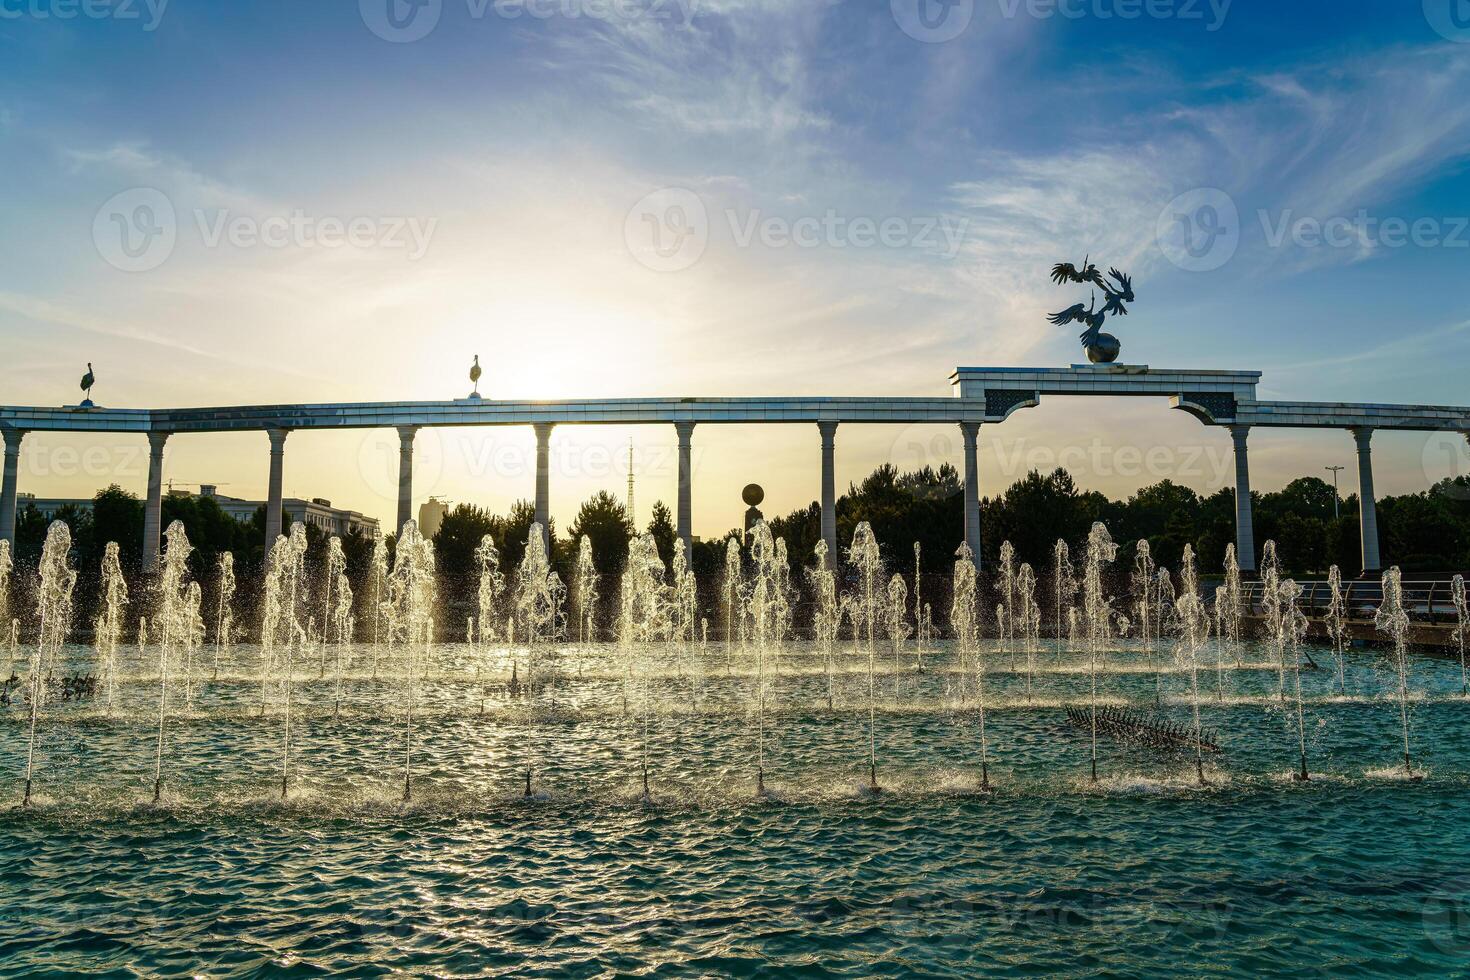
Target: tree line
x=1425, y=533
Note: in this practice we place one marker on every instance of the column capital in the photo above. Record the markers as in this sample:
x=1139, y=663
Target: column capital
x=1240, y=433
x=406, y=435
x=278, y=438
x=1363, y=435
x=13, y=437
x=827, y=427
x=685, y=429
x=157, y=440
x=971, y=429
x=543, y=430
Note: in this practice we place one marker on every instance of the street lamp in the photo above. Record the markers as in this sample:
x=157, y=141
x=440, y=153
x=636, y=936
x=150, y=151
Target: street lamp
x=1335, y=496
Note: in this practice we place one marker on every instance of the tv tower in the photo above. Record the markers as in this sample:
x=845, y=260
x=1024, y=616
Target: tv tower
x=632, y=515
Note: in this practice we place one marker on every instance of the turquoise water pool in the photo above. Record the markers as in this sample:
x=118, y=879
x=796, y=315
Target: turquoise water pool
x=1358, y=871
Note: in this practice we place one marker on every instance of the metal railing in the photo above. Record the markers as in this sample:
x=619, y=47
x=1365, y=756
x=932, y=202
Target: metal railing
x=1427, y=601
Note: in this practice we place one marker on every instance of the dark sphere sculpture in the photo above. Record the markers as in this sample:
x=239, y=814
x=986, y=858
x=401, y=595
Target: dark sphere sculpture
x=753, y=495
x=1104, y=349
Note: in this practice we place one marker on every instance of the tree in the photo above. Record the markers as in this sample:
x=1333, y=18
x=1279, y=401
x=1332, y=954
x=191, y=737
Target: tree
x=661, y=528
x=604, y=520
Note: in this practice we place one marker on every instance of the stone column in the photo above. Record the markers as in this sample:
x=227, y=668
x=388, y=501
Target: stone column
x=406, y=435
x=686, y=487
x=11, y=485
x=971, y=433
x=543, y=478
x=829, y=490
x=1367, y=502
x=153, y=507
x=273, y=525
x=1245, y=527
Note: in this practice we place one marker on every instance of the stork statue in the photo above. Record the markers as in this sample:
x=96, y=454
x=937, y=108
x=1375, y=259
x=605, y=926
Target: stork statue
x=475, y=377
x=88, y=380
x=1102, y=348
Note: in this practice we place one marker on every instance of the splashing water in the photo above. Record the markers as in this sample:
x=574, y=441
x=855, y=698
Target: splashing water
x=113, y=595
x=412, y=594
x=1291, y=625
x=1462, y=627
x=1064, y=588
x=1005, y=587
x=1233, y=600
x=1336, y=623
x=1144, y=570
x=643, y=620
x=378, y=603
x=1099, y=613
x=1028, y=614
x=58, y=581
x=585, y=583
x=176, y=608
x=895, y=624
x=224, y=615
x=1393, y=619
x=965, y=623
x=490, y=585
x=767, y=612
x=734, y=604
x=1193, y=622
x=865, y=610
x=827, y=619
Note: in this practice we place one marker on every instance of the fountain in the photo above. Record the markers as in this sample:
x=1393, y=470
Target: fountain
x=378, y=604
x=643, y=620
x=176, y=607
x=7, y=566
x=1193, y=621
x=827, y=619
x=584, y=590
x=864, y=611
x=107, y=631
x=1462, y=627
x=412, y=594
x=539, y=600
x=1289, y=628
x=336, y=566
x=767, y=612
x=1233, y=600
x=1098, y=612
x=965, y=623
x=1005, y=587
x=1336, y=624
x=1029, y=615
x=734, y=602
x=1064, y=585
x=281, y=633
x=1393, y=619
x=1144, y=570
x=58, y=581
x=224, y=616
x=491, y=583
x=896, y=625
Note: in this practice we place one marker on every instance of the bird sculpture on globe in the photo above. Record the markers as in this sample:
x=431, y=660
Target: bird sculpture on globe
x=1101, y=348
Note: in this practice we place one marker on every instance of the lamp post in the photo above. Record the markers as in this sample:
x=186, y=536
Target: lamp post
x=1336, y=497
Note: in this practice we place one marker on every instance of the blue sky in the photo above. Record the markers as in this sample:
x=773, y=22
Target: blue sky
x=498, y=169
